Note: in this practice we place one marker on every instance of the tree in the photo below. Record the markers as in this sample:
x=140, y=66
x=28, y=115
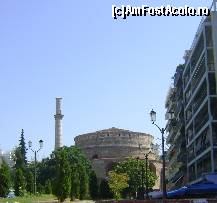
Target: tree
x=104, y=190
x=19, y=184
x=4, y=180
x=75, y=184
x=22, y=146
x=80, y=172
x=21, y=168
x=93, y=185
x=46, y=171
x=48, y=187
x=117, y=182
x=19, y=162
x=30, y=181
x=63, y=178
x=79, y=168
x=83, y=184
x=40, y=188
x=135, y=169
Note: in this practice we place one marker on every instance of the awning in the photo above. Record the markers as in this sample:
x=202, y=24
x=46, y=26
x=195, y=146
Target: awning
x=195, y=189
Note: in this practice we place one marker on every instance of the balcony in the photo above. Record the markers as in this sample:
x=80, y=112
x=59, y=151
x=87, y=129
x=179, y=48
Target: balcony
x=198, y=74
x=170, y=98
x=197, y=52
x=202, y=142
x=173, y=171
x=204, y=164
x=178, y=74
x=201, y=118
x=210, y=60
x=173, y=159
x=199, y=98
x=170, y=136
x=171, y=151
x=186, y=77
x=208, y=32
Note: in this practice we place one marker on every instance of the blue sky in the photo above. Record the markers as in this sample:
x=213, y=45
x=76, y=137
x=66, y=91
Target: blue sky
x=108, y=72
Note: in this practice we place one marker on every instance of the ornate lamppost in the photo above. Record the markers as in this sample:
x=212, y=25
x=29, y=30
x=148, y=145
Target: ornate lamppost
x=162, y=130
x=35, y=153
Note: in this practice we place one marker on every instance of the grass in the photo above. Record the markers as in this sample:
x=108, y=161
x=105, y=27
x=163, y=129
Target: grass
x=29, y=199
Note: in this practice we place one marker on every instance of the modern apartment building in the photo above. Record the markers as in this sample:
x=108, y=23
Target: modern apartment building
x=200, y=100
x=7, y=157
x=176, y=155
x=194, y=127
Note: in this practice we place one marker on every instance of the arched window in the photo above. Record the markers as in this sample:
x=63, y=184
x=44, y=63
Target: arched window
x=152, y=167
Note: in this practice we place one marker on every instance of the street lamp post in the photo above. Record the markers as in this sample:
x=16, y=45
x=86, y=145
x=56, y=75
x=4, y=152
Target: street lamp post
x=35, y=153
x=162, y=130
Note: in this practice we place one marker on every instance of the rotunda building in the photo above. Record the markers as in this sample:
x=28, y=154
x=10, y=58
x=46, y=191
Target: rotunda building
x=107, y=147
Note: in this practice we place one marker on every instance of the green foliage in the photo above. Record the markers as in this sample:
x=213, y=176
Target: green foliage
x=93, y=185
x=4, y=180
x=19, y=161
x=46, y=170
x=22, y=146
x=135, y=170
x=40, y=189
x=80, y=171
x=20, y=169
x=48, y=187
x=19, y=183
x=104, y=190
x=76, y=166
x=63, y=179
x=30, y=181
x=30, y=198
x=75, y=185
x=83, y=184
x=117, y=182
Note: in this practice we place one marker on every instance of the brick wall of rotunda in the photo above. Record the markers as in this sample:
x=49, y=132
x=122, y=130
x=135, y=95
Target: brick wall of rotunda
x=107, y=147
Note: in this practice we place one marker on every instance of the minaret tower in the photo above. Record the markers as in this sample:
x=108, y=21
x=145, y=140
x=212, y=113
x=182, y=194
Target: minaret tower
x=58, y=126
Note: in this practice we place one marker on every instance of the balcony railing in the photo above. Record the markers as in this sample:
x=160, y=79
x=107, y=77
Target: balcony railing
x=199, y=150
x=200, y=122
x=197, y=77
x=204, y=167
x=199, y=100
x=171, y=135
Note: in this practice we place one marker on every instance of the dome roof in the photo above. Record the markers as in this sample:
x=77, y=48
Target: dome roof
x=116, y=130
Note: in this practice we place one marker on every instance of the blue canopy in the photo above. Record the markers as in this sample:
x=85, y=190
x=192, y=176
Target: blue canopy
x=194, y=189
